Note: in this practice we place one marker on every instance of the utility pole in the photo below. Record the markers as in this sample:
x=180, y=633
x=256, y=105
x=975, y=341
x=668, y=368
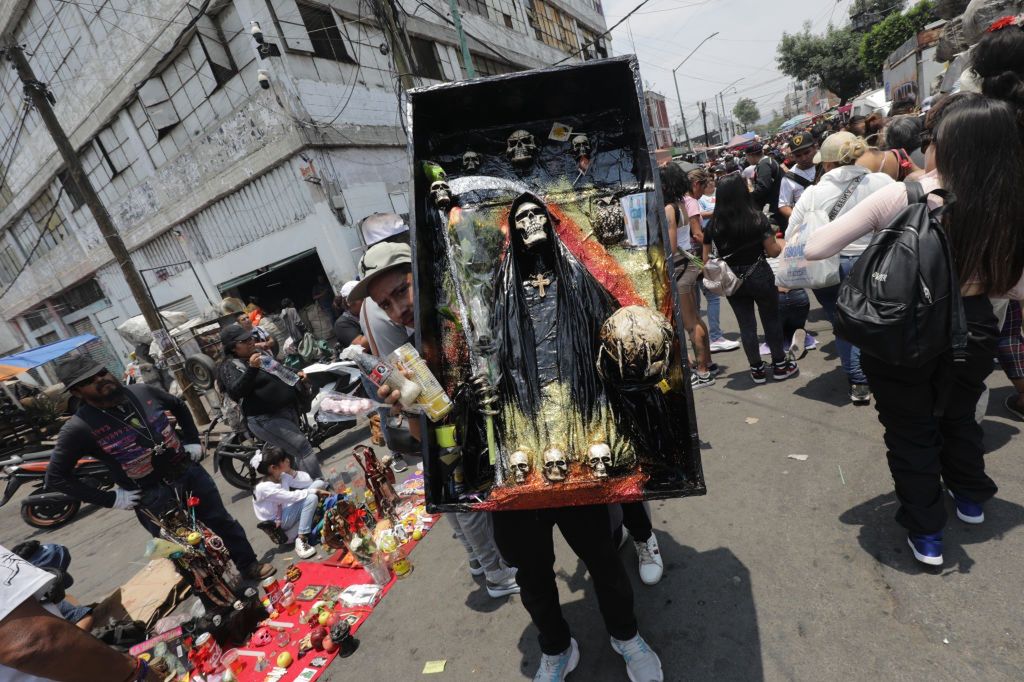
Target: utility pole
x=40, y=96
x=396, y=38
x=467, y=59
x=683, y=115
x=704, y=116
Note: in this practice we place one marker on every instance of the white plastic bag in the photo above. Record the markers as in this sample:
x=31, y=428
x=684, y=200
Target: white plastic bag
x=793, y=270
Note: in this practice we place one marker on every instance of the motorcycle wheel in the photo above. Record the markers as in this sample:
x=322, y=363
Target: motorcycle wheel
x=236, y=471
x=49, y=516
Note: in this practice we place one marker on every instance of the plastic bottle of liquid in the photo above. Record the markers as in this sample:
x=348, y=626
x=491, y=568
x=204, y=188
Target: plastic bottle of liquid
x=371, y=504
x=382, y=373
x=451, y=463
x=433, y=398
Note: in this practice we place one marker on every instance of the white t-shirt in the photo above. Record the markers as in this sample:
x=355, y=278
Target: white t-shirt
x=790, y=190
x=828, y=191
x=707, y=203
x=269, y=498
x=19, y=580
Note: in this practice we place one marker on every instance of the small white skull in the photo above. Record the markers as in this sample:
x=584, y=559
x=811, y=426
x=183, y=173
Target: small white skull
x=520, y=465
x=555, y=465
x=521, y=147
x=599, y=456
x=581, y=146
x=441, y=194
x=470, y=161
x=530, y=220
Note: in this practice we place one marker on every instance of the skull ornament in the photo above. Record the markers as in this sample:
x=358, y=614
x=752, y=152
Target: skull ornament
x=556, y=467
x=519, y=462
x=521, y=147
x=599, y=456
x=581, y=146
x=530, y=220
x=470, y=161
x=636, y=342
x=441, y=195
x=609, y=221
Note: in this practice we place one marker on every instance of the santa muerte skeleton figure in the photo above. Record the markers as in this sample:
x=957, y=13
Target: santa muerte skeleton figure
x=547, y=322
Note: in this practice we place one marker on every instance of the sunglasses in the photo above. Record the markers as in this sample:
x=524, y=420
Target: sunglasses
x=93, y=378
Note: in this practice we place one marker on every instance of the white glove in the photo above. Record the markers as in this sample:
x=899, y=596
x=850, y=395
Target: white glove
x=194, y=450
x=126, y=499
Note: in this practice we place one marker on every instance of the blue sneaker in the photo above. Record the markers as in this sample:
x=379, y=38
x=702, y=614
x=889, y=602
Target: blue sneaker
x=556, y=668
x=967, y=511
x=927, y=548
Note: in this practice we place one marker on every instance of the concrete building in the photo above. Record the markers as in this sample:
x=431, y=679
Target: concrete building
x=217, y=185
x=657, y=114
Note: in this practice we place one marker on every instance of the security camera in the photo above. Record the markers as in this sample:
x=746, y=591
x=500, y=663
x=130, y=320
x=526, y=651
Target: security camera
x=257, y=32
x=264, y=78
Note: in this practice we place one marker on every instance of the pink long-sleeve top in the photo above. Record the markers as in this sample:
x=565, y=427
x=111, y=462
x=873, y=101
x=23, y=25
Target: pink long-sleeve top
x=875, y=213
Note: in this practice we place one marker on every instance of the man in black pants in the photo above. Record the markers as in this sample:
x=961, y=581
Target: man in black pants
x=126, y=428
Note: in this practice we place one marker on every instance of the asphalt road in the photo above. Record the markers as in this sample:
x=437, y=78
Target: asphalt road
x=786, y=570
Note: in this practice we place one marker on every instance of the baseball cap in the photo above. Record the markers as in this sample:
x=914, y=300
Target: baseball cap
x=379, y=226
x=801, y=141
x=232, y=334
x=74, y=369
x=840, y=148
x=377, y=260
x=346, y=289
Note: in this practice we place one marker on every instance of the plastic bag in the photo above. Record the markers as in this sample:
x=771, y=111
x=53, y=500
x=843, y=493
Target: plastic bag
x=793, y=270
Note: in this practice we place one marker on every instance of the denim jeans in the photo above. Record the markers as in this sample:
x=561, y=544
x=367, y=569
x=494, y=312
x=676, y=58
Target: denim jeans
x=849, y=355
x=714, y=312
x=282, y=430
x=301, y=513
x=210, y=510
x=793, y=308
x=758, y=289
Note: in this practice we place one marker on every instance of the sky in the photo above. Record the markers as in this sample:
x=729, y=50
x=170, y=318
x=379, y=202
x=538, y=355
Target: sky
x=663, y=32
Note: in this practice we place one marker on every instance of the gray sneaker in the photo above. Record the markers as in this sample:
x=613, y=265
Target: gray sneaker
x=475, y=567
x=642, y=664
x=860, y=394
x=555, y=668
x=502, y=583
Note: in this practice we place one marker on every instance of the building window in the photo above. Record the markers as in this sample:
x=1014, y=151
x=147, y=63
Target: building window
x=324, y=34
x=593, y=45
x=36, y=319
x=215, y=47
x=508, y=20
x=553, y=27
x=10, y=261
x=486, y=66
x=474, y=6
x=49, y=221
x=427, y=63
x=77, y=297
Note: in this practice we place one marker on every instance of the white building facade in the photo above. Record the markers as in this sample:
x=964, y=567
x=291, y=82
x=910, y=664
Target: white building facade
x=218, y=186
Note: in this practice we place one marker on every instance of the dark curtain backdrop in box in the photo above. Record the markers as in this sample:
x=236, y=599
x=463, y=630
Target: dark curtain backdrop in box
x=544, y=297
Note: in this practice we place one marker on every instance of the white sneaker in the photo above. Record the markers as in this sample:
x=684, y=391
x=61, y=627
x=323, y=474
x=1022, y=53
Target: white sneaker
x=798, y=346
x=475, y=567
x=642, y=664
x=502, y=583
x=651, y=564
x=303, y=550
x=724, y=345
x=555, y=668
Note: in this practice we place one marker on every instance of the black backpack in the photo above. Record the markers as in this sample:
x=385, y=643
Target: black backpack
x=901, y=302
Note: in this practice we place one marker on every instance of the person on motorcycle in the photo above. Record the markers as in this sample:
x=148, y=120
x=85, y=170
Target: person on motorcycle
x=287, y=497
x=266, y=391
x=126, y=428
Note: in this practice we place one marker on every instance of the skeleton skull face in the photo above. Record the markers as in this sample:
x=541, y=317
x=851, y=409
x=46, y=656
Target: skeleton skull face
x=581, y=146
x=530, y=220
x=636, y=342
x=441, y=194
x=470, y=161
x=521, y=147
x=599, y=456
x=520, y=464
x=556, y=467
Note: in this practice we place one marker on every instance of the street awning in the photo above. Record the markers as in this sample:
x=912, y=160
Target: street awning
x=259, y=272
x=13, y=365
x=742, y=139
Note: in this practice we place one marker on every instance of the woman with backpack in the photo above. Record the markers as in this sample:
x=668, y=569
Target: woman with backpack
x=927, y=407
x=843, y=186
x=743, y=238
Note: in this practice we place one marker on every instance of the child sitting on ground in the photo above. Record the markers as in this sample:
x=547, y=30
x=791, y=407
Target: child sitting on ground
x=286, y=497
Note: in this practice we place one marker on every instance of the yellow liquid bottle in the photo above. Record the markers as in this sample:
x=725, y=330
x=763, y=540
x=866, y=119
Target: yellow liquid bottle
x=432, y=398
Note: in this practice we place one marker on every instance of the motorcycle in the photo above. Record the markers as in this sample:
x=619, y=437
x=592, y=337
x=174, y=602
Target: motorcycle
x=234, y=450
x=43, y=508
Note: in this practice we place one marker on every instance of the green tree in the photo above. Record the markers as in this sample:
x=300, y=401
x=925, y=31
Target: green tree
x=876, y=8
x=746, y=112
x=772, y=126
x=880, y=42
x=831, y=59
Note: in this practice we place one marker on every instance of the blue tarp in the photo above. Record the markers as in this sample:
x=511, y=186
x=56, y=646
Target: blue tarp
x=12, y=365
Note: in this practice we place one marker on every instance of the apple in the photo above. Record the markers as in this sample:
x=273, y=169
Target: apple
x=324, y=617
x=417, y=535
x=194, y=538
x=284, y=659
x=330, y=646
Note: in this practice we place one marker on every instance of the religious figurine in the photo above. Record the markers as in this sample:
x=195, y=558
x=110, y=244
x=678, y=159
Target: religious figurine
x=380, y=479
